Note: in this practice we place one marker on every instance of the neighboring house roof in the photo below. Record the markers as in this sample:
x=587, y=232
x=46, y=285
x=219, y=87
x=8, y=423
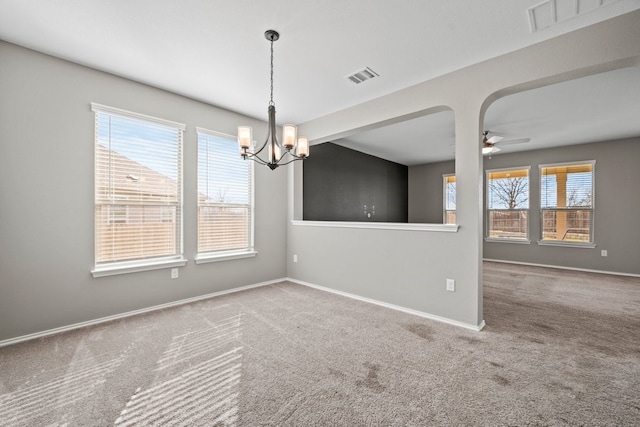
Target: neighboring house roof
x=132, y=179
x=129, y=179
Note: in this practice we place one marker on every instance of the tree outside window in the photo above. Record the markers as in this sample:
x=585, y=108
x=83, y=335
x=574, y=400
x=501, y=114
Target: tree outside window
x=508, y=204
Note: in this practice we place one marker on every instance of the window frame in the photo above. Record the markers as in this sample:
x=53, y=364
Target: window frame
x=445, y=211
x=109, y=268
x=229, y=254
x=487, y=210
x=565, y=243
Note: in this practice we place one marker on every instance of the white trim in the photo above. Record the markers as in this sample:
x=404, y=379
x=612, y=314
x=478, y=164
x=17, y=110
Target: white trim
x=205, y=257
x=487, y=209
x=208, y=132
x=447, y=228
x=392, y=306
x=99, y=108
x=444, y=196
x=564, y=244
x=576, y=163
x=561, y=267
x=515, y=169
x=134, y=313
x=591, y=208
x=507, y=240
x=137, y=266
x=224, y=256
x=93, y=322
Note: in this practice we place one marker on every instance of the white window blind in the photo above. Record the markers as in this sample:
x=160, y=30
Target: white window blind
x=566, y=202
x=225, y=195
x=138, y=188
x=449, y=199
x=508, y=204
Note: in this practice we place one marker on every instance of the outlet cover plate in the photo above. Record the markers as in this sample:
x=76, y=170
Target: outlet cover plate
x=451, y=285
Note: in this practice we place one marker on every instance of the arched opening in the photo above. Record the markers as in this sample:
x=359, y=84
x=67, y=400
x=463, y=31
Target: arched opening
x=377, y=174
x=578, y=196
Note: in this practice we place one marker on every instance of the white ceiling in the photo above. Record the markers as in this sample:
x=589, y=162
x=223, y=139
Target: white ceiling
x=597, y=108
x=215, y=51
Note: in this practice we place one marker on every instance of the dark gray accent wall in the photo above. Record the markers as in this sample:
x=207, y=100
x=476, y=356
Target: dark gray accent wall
x=616, y=203
x=338, y=182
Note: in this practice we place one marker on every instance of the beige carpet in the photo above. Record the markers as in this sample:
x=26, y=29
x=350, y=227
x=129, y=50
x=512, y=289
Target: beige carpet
x=560, y=348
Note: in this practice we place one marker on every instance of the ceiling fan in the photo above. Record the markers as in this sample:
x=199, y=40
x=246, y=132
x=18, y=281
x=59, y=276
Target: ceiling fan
x=489, y=143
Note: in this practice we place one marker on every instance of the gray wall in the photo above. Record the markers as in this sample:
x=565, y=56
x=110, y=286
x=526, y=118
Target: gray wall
x=425, y=196
x=46, y=198
x=338, y=182
x=617, y=203
x=332, y=257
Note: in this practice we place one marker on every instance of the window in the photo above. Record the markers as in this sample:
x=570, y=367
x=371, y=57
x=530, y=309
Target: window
x=449, y=199
x=508, y=204
x=225, y=197
x=566, y=202
x=138, y=191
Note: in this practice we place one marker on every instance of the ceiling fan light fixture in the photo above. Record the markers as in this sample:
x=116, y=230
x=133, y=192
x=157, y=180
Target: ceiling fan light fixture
x=489, y=149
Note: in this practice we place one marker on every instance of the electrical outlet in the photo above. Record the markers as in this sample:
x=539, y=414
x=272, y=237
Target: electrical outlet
x=451, y=285
x=603, y=252
x=174, y=273
x=295, y=257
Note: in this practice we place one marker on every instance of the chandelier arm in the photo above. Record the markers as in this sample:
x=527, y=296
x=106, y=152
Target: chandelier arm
x=292, y=154
x=261, y=148
x=256, y=159
x=295, y=158
x=284, y=153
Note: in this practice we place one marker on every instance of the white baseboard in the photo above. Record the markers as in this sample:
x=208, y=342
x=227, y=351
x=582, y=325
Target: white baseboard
x=61, y=329
x=132, y=313
x=560, y=267
x=393, y=306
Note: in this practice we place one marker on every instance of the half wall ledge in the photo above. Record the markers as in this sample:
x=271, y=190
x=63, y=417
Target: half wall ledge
x=443, y=228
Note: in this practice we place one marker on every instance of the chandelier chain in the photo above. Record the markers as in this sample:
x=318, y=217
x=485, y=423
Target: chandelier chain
x=271, y=101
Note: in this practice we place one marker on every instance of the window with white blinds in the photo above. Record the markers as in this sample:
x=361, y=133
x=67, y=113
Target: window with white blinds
x=508, y=204
x=566, y=202
x=225, y=196
x=138, y=188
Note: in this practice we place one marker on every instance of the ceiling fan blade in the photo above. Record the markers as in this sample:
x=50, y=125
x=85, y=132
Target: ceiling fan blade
x=514, y=141
x=494, y=139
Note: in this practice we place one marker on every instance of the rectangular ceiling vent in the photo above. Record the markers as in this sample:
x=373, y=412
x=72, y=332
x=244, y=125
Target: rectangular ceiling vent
x=362, y=75
x=551, y=12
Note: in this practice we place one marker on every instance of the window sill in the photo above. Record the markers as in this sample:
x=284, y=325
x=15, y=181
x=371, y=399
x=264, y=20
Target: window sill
x=567, y=244
x=516, y=241
x=225, y=256
x=135, y=267
x=449, y=228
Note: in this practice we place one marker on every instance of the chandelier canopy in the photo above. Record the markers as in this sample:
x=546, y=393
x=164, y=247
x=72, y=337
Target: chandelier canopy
x=283, y=152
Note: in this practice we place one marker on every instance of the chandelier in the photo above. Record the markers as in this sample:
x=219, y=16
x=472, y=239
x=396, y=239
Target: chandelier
x=283, y=152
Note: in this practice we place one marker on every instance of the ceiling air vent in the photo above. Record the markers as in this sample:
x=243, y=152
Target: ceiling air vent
x=362, y=75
